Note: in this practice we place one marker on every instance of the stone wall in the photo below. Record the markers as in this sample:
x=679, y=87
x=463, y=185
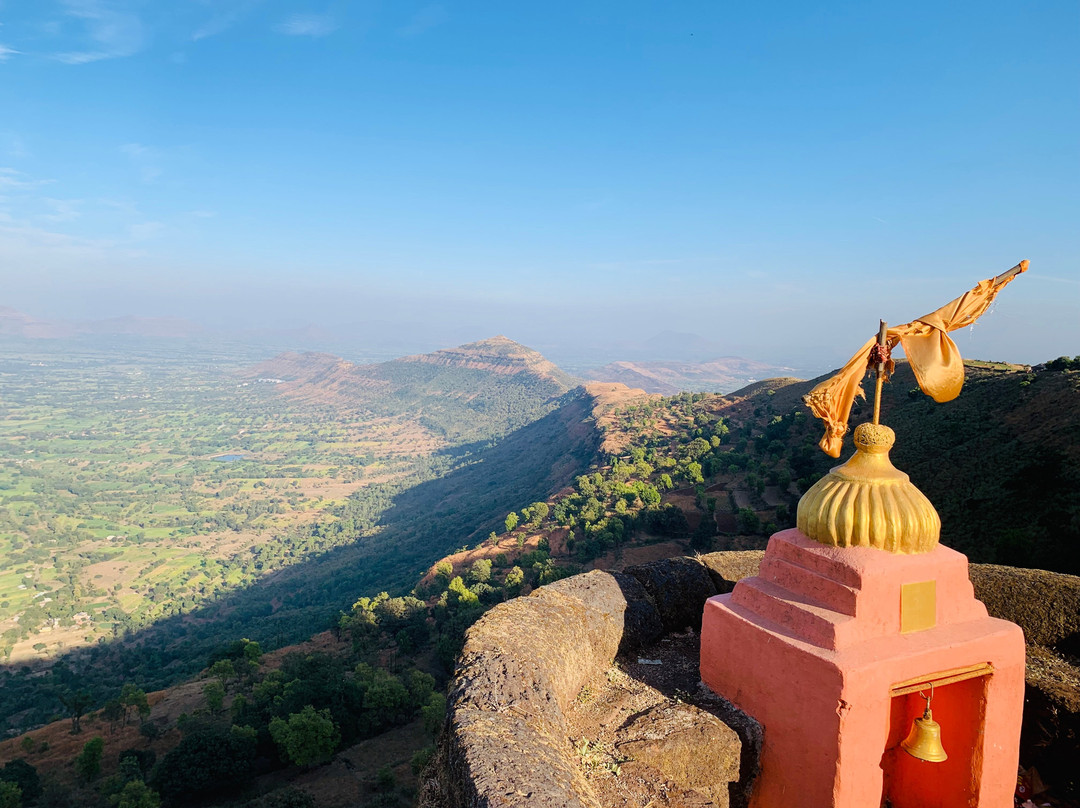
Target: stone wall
x=505, y=741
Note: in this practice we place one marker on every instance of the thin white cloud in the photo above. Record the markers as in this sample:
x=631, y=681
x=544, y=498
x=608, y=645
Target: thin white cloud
x=145, y=230
x=25, y=241
x=145, y=159
x=111, y=32
x=1040, y=276
x=15, y=146
x=63, y=210
x=311, y=25
x=6, y=53
x=424, y=20
x=226, y=14
x=15, y=179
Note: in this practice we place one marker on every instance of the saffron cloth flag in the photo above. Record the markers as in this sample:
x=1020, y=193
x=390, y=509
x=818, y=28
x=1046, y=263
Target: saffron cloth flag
x=932, y=354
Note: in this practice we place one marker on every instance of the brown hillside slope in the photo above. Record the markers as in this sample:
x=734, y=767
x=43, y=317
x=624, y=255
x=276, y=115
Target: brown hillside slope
x=471, y=392
x=667, y=378
x=497, y=355
x=333, y=375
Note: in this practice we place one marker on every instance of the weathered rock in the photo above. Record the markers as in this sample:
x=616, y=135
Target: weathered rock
x=641, y=622
x=618, y=599
x=728, y=568
x=678, y=587
x=506, y=762
x=515, y=656
x=691, y=747
x=751, y=738
x=1046, y=605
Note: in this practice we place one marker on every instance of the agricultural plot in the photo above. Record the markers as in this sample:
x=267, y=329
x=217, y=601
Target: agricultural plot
x=133, y=489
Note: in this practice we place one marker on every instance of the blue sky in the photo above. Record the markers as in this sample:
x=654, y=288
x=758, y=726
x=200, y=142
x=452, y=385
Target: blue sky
x=773, y=177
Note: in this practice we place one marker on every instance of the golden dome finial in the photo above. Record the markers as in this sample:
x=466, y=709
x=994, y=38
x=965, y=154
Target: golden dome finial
x=868, y=502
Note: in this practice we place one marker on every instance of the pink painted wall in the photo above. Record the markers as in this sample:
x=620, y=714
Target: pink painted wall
x=811, y=648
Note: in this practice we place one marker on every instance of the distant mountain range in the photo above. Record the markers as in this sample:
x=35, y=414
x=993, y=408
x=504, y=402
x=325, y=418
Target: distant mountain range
x=667, y=363
x=14, y=323
x=721, y=375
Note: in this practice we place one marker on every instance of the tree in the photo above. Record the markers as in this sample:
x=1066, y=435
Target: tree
x=480, y=572
x=458, y=594
x=134, y=699
x=23, y=775
x=749, y=521
x=224, y=670
x=215, y=696
x=252, y=650
x=150, y=731
x=76, y=704
x=307, y=737
x=138, y=794
x=697, y=448
x=114, y=713
x=10, y=795
x=538, y=512
x=88, y=763
x=384, y=779
x=209, y=760
x=444, y=570
x=703, y=534
x=511, y=521
x=514, y=581
x=137, y=763
x=434, y=714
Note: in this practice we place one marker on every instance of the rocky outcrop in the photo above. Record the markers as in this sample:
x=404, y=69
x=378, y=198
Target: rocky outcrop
x=505, y=742
x=1046, y=605
x=497, y=355
x=693, y=748
x=525, y=661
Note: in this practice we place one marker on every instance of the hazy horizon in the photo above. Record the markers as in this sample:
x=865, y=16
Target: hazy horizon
x=578, y=177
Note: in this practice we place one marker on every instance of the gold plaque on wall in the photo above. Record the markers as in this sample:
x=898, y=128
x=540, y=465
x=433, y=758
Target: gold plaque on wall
x=918, y=606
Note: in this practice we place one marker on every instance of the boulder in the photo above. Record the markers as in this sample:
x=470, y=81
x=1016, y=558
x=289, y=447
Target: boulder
x=727, y=569
x=678, y=588
x=691, y=747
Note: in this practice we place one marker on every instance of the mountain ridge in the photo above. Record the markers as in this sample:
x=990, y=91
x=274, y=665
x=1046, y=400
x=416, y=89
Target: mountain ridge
x=16, y=323
x=668, y=377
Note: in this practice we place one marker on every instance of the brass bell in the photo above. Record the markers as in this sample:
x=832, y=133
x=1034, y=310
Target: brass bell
x=924, y=739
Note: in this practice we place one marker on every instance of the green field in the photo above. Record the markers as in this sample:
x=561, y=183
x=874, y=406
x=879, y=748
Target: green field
x=113, y=512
